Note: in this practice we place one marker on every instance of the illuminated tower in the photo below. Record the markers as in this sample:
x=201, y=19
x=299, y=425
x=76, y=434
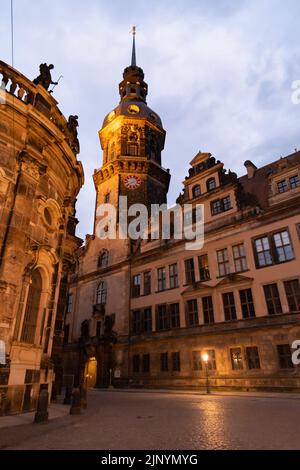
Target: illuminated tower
x=132, y=139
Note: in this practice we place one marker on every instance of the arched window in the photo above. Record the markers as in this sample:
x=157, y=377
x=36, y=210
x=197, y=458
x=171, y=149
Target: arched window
x=196, y=191
x=103, y=259
x=32, y=308
x=101, y=294
x=112, y=151
x=211, y=184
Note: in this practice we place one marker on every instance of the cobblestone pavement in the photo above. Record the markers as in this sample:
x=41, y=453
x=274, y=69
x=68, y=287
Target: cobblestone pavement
x=161, y=421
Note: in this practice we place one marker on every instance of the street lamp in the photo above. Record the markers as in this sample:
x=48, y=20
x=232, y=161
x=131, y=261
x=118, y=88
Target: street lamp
x=205, y=358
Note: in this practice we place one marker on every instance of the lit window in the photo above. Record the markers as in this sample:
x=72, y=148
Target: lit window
x=236, y=359
x=204, y=268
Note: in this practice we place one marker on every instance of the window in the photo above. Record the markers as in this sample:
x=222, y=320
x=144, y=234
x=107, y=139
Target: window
x=142, y=321
x=147, y=283
x=101, y=294
x=133, y=150
x=252, y=358
x=197, y=360
x=283, y=246
x=216, y=207
x=136, y=285
x=66, y=334
x=196, y=191
x=189, y=271
x=32, y=308
x=70, y=303
x=204, y=268
x=192, y=313
x=173, y=271
x=263, y=252
x=292, y=291
x=176, y=362
x=223, y=262
x=273, y=249
x=240, y=260
x=136, y=322
x=112, y=152
x=221, y=205
x=146, y=364
x=294, y=182
x=175, y=315
x=164, y=362
x=103, y=259
x=211, y=364
x=208, y=310
x=236, y=359
x=226, y=203
x=98, y=328
x=161, y=277
x=136, y=364
x=162, y=322
x=247, y=303
x=229, y=306
x=282, y=186
x=211, y=184
x=107, y=198
x=147, y=320
x=272, y=299
x=284, y=356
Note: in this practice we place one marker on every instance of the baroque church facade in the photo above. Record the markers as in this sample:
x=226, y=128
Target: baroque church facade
x=40, y=178
x=146, y=313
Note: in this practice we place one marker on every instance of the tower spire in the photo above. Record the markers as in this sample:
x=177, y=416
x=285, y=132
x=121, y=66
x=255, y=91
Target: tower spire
x=133, y=57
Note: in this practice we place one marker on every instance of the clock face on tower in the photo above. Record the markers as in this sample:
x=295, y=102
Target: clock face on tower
x=132, y=182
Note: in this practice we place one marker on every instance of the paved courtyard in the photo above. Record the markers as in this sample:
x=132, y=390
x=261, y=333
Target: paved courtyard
x=174, y=421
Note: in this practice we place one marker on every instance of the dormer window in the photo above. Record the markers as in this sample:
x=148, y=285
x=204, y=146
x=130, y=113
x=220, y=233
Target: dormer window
x=211, y=184
x=103, y=259
x=285, y=185
x=196, y=191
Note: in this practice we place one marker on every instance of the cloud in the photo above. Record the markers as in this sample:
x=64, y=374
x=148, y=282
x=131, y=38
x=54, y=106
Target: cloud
x=219, y=74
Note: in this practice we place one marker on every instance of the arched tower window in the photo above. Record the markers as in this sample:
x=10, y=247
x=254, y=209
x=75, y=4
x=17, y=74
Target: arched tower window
x=196, y=191
x=211, y=184
x=101, y=294
x=32, y=308
x=133, y=144
x=103, y=259
x=112, y=151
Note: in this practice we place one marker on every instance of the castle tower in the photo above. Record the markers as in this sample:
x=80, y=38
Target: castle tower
x=132, y=139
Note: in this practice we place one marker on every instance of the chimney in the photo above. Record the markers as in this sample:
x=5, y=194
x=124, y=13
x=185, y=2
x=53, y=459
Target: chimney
x=251, y=169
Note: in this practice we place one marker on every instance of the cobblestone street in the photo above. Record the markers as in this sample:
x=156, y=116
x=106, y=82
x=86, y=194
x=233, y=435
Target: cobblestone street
x=174, y=421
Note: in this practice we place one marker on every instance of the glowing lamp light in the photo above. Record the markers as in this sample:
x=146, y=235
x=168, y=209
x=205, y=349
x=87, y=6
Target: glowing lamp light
x=205, y=357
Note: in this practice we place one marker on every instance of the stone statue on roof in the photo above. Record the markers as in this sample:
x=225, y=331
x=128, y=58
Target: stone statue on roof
x=45, y=78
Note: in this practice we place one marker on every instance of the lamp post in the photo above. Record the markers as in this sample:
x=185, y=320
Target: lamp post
x=205, y=359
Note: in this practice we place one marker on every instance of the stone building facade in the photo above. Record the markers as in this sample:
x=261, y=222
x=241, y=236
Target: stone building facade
x=40, y=178
x=143, y=313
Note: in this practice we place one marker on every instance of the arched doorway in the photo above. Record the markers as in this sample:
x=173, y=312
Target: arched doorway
x=91, y=372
